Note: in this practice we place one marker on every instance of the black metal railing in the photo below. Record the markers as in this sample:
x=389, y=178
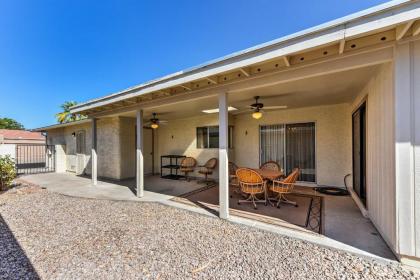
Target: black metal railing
x=35, y=158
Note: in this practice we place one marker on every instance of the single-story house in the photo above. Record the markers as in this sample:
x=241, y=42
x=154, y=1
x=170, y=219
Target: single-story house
x=336, y=99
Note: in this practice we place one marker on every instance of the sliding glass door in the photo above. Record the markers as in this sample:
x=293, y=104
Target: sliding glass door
x=272, y=144
x=291, y=146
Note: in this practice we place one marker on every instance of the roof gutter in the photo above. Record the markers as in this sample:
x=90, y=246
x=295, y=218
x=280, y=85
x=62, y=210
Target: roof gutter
x=60, y=125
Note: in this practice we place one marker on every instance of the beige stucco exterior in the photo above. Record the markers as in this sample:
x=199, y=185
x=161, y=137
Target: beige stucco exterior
x=116, y=142
x=115, y=147
x=333, y=139
x=179, y=137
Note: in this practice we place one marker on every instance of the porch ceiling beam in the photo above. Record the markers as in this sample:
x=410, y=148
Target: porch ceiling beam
x=340, y=63
x=131, y=101
x=245, y=72
x=186, y=87
x=401, y=30
x=341, y=46
x=164, y=92
x=346, y=61
x=211, y=80
x=286, y=61
x=416, y=28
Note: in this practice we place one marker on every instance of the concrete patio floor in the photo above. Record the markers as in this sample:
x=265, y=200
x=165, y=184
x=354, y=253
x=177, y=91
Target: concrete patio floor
x=80, y=186
x=344, y=226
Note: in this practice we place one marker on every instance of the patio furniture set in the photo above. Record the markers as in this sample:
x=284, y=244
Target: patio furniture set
x=250, y=183
x=187, y=165
x=268, y=179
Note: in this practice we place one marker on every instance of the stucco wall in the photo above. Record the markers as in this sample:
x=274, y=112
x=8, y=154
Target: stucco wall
x=333, y=139
x=128, y=147
x=179, y=138
x=108, y=147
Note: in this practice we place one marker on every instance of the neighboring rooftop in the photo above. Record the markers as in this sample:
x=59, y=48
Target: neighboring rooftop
x=12, y=134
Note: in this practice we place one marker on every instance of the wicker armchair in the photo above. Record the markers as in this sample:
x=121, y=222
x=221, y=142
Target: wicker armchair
x=207, y=169
x=284, y=187
x=187, y=166
x=252, y=184
x=233, y=180
x=271, y=165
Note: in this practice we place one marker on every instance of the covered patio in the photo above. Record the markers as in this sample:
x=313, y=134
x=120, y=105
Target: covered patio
x=307, y=123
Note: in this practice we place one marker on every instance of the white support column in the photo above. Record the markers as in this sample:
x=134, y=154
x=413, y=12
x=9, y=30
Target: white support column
x=94, y=156
x=139, y=154
x=223, y=157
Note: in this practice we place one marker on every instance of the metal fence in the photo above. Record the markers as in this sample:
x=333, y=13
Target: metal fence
x=35, y=158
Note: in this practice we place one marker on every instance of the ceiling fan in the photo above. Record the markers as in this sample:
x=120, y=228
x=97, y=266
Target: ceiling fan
x=154, y=122
x=258, y=106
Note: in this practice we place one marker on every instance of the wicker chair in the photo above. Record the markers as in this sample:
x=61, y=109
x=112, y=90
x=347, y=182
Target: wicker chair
x=284, y=187
x=252, y=184
x=207, y=169
x=233, y=180
x=187, y=166
x=272, y=165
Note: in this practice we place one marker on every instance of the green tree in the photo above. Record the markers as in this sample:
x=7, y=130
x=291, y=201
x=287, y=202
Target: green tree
x=65, y=116
x=8, y=123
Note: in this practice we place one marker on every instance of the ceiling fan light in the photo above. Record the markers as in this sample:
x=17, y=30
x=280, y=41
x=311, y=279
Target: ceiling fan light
x=257, y=115
x=154, y=125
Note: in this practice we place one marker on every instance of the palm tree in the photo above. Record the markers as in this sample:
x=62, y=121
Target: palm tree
x=65, y=116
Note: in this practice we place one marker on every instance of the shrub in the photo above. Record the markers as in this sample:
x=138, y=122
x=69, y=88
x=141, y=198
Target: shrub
x=7, y=172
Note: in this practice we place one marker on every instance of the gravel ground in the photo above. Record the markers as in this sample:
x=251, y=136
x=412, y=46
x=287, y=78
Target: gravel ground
x=51, y=236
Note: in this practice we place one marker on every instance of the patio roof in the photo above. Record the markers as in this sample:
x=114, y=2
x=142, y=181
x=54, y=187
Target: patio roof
x=61, y=125
x=391, y=21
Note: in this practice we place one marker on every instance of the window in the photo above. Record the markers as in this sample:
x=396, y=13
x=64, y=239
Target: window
x=80, y=142
x=291, y=146
x=208, y=137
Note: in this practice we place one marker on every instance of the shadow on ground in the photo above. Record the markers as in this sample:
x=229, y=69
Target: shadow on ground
x=14, y=264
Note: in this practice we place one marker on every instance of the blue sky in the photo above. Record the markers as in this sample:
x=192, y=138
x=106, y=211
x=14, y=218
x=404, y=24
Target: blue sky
x=53, y=51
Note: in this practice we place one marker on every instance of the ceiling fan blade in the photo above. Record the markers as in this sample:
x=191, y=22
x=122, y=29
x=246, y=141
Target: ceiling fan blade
x=275, y=107
x=163, y=121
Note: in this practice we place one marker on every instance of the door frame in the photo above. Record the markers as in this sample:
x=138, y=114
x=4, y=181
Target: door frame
x=363, y=158
x=315, y=122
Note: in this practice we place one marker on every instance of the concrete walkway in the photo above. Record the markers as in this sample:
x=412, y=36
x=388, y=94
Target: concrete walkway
x=77, y=186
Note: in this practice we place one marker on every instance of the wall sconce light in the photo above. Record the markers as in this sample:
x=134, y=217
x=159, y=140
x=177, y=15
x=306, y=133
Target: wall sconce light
x=246, y=132
x=73, y=134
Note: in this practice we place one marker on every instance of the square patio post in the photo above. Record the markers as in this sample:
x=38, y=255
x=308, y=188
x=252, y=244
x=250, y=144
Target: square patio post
x=139, y=154
x=94, y=156
x=223, y=157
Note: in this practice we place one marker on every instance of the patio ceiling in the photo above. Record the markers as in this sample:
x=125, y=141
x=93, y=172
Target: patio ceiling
x=328, y=89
